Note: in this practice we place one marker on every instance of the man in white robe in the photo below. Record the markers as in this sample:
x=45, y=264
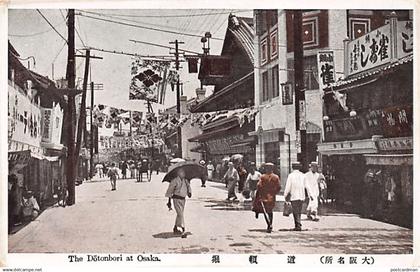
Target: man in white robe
x=311, y=180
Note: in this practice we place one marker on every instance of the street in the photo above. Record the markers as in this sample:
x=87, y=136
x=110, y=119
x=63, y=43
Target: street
x=135, y=219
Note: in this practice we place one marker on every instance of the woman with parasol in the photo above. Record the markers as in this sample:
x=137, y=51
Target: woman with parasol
x=179, y=188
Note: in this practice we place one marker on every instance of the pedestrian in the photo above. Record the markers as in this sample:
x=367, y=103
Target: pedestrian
x=178, y=189
x=124, y=167
x=311, y=179
x=322, y=184
x=99, y=169
x=294, y=193
x=133, y=170
x=210, y=170
x=242, y=177
x=113, y=174
x=231, y=177
x=204, y=175
x=267, y=188
x=252, y=180
x=225, y=167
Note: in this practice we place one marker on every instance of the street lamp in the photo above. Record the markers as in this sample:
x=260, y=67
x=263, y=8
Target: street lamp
x=353, y=113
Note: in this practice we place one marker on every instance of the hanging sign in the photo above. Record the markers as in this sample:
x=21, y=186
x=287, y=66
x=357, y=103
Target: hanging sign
x=302, y=115
x=326, y=68
x=370, y=50
x=148, y=82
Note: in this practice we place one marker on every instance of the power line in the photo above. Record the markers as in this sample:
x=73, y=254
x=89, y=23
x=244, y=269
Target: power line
x=143, y=27
x=138, y=22
x=52, y=26
x=64, y=44
x=167, y=16
x=35, y=34
x=164, y=46
x=131, y=54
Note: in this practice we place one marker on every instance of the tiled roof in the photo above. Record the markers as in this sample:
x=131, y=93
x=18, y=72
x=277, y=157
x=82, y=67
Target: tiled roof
x=242, y=29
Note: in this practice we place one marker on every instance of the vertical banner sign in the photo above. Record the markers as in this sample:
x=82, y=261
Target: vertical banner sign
x=46, y=125
x=287, y=93
x=370, y=50
x=404, y=38
x=326, y=68
x=302, y=115
x=298, y=145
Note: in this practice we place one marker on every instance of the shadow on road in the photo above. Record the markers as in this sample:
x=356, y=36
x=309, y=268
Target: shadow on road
x=169, y=235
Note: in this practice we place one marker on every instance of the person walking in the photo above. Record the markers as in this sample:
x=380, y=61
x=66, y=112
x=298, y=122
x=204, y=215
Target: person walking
x=252, y=180
x=294, y=193
x=124, y=167
x=311, y=179
x=231, y=177
x=204, y=175
x=267, y=188
x=242, y=177
x=322, y=184
x=113, y=174
x=210, y=170
x=99, y=169
x=177, y=190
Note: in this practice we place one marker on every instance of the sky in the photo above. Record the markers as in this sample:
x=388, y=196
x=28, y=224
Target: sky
x=31, y=35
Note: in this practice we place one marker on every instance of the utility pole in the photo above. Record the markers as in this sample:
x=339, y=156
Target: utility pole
x=300, y=107
x=93, y=128
x=178, y=95
x=70, y=122
x=81, y=125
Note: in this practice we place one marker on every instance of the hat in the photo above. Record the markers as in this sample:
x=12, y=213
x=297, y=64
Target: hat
x=314, y=163
x=296, y=163
x=230, y=163
x=202, y=162
x=269, y=164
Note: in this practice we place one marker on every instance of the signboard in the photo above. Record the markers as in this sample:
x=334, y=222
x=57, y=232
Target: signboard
x=287, y=93
x=370, y=50
x=215, y=68
x=393, y=144
x=24, y=118
x=404, y=38
x=46, y=125
x=326, y=68
x=298, y=145
x=302, y=115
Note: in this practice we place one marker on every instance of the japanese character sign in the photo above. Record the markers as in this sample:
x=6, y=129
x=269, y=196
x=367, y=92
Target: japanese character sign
x=404, y=38
x=326, y=69
x=370, y=50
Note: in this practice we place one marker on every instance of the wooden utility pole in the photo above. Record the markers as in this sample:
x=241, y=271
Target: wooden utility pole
x=81, y=125
x=300, y=107
x=178, y=95
x=70, y=122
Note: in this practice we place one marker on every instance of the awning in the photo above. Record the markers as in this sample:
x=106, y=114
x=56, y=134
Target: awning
x=366, y=146
x=213, y=133
x=389, y=159
x=368, y=77
x=222, y=92
x=245, y=142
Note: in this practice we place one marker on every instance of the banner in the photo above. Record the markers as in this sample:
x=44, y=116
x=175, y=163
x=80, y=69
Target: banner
x=370, y=50
x=148, y=80
x=326, y=68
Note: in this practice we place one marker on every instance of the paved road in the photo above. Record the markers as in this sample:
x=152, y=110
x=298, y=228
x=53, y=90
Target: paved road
x=135, y=219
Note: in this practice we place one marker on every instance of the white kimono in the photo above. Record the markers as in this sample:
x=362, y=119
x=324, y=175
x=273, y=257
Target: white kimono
x=311, y=182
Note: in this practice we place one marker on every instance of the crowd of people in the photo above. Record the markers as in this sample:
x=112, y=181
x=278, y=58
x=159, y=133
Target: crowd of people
x=261, y=187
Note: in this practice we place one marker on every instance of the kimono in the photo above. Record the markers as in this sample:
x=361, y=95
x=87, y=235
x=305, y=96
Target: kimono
x=267, y=188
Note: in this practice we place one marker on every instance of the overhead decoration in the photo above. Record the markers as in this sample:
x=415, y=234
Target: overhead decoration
x=148, y=80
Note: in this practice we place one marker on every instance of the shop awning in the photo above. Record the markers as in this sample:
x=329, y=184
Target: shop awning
x=366, y=146
x=222, y=93
x=213, y=133
x=246, y=141
x=389, y=159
